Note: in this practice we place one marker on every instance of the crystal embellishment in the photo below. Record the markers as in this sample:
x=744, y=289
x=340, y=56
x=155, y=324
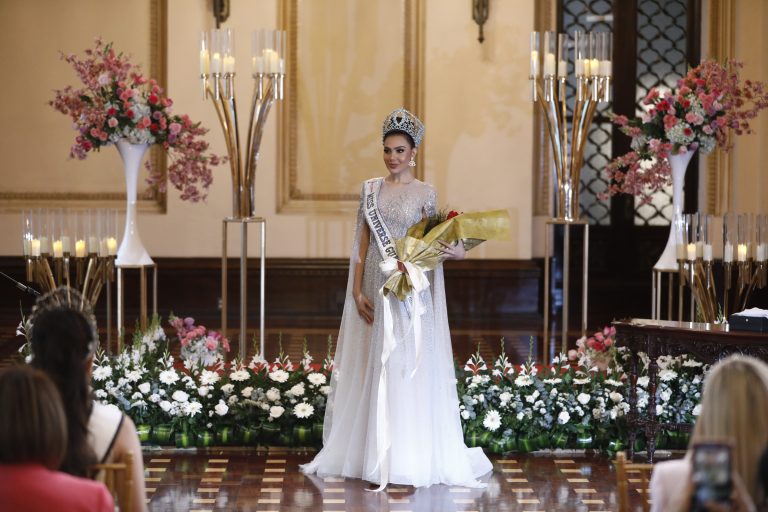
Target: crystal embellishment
x=402, y=120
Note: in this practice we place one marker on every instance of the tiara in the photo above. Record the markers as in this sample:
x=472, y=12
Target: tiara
x=402, y=120
x=66, y=298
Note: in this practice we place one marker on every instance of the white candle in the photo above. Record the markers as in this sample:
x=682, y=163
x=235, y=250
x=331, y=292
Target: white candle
x=762, y=252
x=216, y=63
x=58, y=252
x=80, y=248
x=271, y=61
x=680, y=251
x=65, y=245
x=27, y=246
x=229, y=64
x=562, y=68
x=93, y=245
x=44, y=245
x=606, y=68
x=549, y=64
x=728, y=252
x=708, y=252
x=742, y=252
x=578, y=67
x=594, y=67
x=35, y=247
x=534, y=63
x=699, y=249
x=111, y=246
x=282, y=66
x=691, y=252
x=205, y=63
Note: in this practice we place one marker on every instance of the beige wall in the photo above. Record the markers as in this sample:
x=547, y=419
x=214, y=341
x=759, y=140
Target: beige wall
x=476, y=112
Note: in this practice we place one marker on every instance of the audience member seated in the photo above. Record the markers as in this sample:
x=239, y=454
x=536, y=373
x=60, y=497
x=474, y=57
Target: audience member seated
x=64, y=339
x=33, y=441
x=734, y=408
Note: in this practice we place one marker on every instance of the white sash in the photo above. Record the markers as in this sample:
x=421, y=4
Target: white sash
x=419, y=282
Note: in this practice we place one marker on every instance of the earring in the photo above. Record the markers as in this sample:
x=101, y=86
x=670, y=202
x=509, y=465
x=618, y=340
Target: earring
x=412, y=163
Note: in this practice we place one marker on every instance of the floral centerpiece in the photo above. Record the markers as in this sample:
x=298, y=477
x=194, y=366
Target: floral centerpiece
x=597, y=351
x=709, y=104
x=199, y=346
x=118, y=102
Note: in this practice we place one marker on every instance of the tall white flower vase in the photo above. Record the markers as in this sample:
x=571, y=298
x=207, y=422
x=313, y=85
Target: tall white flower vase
x=131, y=252
x=679, y=164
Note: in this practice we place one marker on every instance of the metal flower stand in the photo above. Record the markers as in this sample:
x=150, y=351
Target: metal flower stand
x=143, y=316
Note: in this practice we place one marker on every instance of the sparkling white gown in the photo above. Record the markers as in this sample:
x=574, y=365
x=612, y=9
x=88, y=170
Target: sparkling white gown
x=426, y=442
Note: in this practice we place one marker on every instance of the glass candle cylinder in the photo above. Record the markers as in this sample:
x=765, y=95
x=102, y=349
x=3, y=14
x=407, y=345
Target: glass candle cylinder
x=534, y=54
x=550, y=54
x=562, y=55
x=679, y=227
x=205, y=54
x=729, y=236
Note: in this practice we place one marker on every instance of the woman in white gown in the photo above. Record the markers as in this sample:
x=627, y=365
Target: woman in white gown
x=393, y=410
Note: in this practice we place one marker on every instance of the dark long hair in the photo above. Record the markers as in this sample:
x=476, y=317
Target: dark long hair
x=63, y=338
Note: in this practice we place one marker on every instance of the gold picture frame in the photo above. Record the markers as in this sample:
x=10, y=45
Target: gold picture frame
x=295, y=196
x=15, y=200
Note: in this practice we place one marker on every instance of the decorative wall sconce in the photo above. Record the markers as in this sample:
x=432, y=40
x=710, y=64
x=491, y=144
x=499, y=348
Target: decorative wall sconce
x=480, y=15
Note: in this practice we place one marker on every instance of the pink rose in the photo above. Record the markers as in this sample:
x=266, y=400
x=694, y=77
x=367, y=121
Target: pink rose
x=211, y=344
x=112, y=122
x=174, y=128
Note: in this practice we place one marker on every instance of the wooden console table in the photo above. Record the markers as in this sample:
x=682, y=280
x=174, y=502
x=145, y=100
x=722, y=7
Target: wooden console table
x=707, y=343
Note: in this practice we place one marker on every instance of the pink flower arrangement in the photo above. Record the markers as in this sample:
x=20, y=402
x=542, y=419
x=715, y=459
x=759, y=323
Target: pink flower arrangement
x=118, y=102
x=710, y=102
x=597, y=350
x=198, y=344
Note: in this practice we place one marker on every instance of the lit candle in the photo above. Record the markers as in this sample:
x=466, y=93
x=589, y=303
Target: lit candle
x=65, y=245
x=111, y=246
x=44, y=245
x=216, y=63
x=93, y=245
x=58, y=251
x=562, y=68
x=742, y=252
x=271, y=61
x=549, y=64
x=205, y=62
x=594, y=67
x=80, y=248
x=708, y=252
x=691, y=252
x=534, y=63
x=35, y=247
x=728, y=252
x=578, y=66
x=229, y=64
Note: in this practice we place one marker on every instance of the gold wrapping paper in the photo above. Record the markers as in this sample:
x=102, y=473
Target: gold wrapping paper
x=424, y=250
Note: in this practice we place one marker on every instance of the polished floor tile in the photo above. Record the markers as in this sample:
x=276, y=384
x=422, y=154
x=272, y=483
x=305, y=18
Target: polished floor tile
x=263, y=480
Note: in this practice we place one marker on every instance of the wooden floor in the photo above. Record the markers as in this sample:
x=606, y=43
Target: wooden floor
x=269, y=480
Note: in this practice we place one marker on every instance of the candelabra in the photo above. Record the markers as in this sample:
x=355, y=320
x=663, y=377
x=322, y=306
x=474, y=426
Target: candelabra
x=748, y=235
x=592, y=69
x=49, y=258
x=217, y=74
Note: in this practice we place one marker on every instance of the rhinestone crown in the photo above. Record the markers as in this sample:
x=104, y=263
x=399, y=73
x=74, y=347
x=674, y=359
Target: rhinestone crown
x=402, y=120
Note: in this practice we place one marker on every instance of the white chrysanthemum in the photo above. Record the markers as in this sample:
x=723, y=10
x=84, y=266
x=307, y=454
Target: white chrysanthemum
x=247, y=392
x=133, y=375
x=239, y=375
x=221, y=408
x=273, y=394
x=492, y=420
x=208, y=378
x=180, y=396
x=102, y=372
x=614, y=383
x=316, y=379
x=297, y=390
x=303, y=410
x=145, y=387
x=667, y=375
x=523, y=381
x=279, y=376
x=563, y=417
x=276, y=411
x=169, y=377
x=583, y=398
x=582, y=381
x=616, y=397
x=193, y=408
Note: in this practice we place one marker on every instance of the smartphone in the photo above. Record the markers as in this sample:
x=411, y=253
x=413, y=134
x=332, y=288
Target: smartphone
x=711, y=473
